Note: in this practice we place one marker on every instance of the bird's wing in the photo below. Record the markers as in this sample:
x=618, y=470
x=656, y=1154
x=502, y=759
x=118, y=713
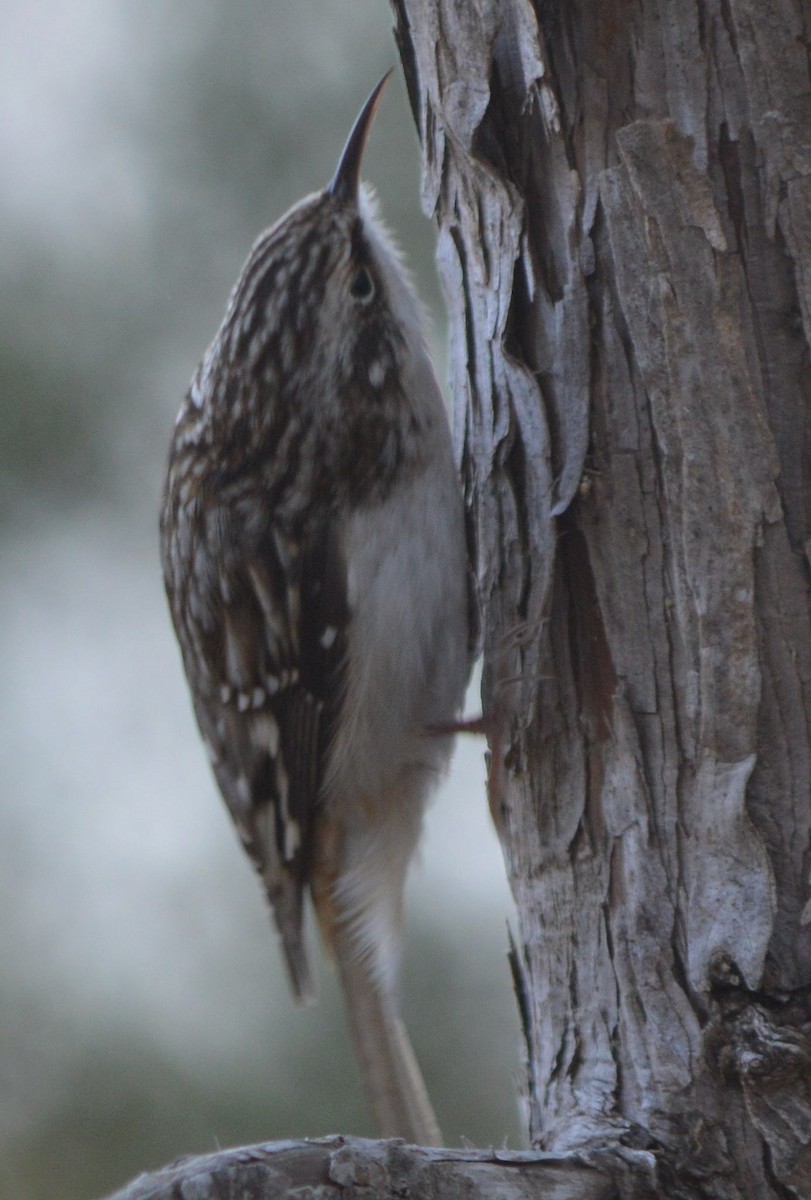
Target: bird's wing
x=265, y=655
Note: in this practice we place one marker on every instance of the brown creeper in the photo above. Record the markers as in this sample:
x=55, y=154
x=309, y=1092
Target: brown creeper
x=314, y=560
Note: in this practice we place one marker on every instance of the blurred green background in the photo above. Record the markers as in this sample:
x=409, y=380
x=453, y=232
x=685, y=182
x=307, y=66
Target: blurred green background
x=143, y=1009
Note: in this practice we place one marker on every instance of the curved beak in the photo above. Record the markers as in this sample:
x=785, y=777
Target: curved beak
x=346, y=180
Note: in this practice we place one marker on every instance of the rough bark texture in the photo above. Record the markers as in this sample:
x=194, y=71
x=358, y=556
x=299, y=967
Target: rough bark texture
x=329, y=1168
x=623, y=193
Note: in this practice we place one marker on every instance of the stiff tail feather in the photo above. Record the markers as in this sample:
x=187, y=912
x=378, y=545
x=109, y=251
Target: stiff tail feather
x=385, y=1056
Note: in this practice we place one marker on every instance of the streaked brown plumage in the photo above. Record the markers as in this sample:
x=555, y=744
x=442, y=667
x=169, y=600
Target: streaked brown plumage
x=314, y=561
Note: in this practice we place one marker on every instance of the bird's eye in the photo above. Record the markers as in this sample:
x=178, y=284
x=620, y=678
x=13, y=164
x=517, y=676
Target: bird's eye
x=362, y=286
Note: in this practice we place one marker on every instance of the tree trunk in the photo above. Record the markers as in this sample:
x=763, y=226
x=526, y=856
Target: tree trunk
x=623, y=195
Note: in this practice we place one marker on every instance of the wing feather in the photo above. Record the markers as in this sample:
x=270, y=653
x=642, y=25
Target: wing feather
x=265, y=655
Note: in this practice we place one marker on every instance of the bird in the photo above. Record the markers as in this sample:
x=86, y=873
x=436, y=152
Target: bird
x=314, y=558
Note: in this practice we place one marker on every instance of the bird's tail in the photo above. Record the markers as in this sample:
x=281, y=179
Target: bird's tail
x=387, y=1062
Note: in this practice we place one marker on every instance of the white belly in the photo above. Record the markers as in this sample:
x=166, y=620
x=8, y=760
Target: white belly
x=408, y=642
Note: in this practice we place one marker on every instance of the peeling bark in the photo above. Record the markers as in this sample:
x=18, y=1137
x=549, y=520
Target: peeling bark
x=623, y=193
x=328, y=1168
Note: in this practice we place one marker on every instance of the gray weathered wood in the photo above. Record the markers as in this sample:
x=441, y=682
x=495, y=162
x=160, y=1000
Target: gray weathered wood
x=623, y=193
x=325, y=1168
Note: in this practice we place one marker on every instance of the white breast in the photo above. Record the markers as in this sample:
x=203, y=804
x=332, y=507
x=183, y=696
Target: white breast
x=408, y=667
x=408, y=636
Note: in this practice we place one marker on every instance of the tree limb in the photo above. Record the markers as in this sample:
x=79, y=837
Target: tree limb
x=331, y=1166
